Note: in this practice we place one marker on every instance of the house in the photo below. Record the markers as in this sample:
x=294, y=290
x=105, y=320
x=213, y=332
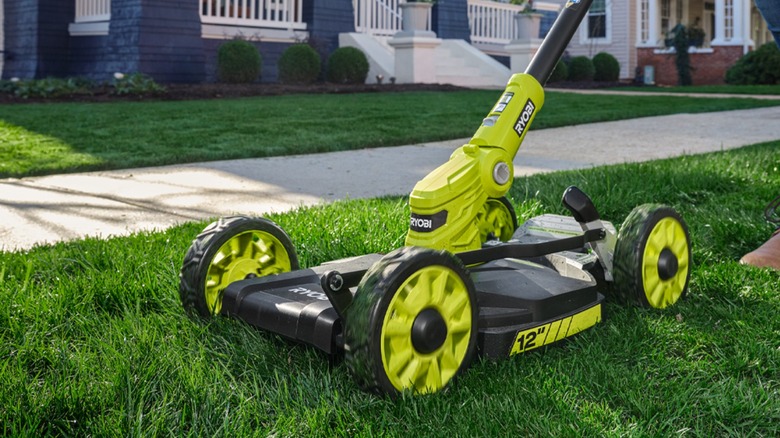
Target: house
x=177, y=40
x=637, y=33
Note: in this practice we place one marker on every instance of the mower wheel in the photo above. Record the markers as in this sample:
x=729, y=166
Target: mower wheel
x=652, y=257
x=497, y=220
x=228, y=250
x=412, y=324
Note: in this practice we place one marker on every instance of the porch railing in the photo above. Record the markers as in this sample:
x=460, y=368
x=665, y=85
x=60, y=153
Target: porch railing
x=377, y=17
x=92, y=10
x=279, y=14
x=492, y=22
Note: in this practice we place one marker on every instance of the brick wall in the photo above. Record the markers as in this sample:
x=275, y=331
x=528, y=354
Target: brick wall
x=170, y=48
x=21, y=39
x=450, y=20
x=706, y=68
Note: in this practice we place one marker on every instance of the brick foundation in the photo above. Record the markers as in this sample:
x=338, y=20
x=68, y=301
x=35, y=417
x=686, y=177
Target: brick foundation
x=706, y=68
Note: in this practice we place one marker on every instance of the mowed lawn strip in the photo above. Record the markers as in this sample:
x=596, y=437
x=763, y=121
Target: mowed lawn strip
x=94, y=342
x=38, y=139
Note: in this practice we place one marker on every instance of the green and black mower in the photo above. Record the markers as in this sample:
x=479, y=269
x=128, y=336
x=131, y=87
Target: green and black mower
x=468, y=282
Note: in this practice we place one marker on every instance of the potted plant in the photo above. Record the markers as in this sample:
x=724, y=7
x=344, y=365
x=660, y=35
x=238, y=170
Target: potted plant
x=695, y=36
x=527, y=22
x=415, y=15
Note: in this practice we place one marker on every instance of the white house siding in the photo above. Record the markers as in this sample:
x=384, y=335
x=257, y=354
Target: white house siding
x=620, y=41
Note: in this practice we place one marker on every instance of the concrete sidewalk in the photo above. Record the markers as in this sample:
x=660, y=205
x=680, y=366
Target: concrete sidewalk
x=63, y=207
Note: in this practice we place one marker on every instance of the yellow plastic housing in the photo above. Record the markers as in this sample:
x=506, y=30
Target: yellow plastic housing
x=476, y=172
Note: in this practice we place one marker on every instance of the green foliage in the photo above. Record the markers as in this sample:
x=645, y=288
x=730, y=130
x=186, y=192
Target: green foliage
x=761, y=66
x=238, y=62
x=560, y=72
x=47, y=88
x=606, y=67
x=682, y=59
x=581, y=69
x=94, y=341
x=136, y=84
x=299, y=64
x=69, y=137
x=347, y=65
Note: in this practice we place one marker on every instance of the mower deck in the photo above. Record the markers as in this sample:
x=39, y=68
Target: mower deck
x=522, y=304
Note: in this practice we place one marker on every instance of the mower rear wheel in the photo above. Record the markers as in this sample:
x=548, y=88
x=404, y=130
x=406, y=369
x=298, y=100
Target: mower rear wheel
x=653, y=257
x=497, y=220
x=412, y=323
x=228, y=250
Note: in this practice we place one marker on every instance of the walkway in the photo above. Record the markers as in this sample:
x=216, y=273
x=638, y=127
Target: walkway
x=61, y=207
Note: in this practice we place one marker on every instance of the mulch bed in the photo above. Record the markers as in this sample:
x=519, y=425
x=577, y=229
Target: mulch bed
x=218, y=91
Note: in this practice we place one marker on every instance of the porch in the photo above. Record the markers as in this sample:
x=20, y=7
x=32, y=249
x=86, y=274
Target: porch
x=720, y=32
x=491, y=23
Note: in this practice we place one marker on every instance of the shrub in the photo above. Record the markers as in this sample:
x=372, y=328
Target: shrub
x=606, y=67
x=559, y=73
x=761, y=66
x=48, y=87
x=238, y=62
x=299, y=64
x=347, y=65
x=136, y=83
x=581, y=69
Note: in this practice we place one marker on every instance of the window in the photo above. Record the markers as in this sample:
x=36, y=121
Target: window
x=597, y=19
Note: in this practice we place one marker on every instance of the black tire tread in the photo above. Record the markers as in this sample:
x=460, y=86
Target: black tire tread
x=629, y=250
x=196, y=260
x=361, y=328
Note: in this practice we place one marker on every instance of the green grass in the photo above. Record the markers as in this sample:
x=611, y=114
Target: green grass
x=773, y=90
x=93, y=340
x=38, y=139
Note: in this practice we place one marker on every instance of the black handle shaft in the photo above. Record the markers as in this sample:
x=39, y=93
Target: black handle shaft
x=543, y=63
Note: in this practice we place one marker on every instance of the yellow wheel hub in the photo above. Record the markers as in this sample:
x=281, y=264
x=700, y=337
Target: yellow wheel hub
x=496, y=219
x=665, y=263
x=437, y=294
x=251, y=253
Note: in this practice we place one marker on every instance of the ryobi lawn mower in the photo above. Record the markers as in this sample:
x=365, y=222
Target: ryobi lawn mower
x=469, y=281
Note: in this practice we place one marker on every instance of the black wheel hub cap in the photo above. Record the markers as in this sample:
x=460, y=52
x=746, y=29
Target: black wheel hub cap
x=667, y=264
x=429, y=331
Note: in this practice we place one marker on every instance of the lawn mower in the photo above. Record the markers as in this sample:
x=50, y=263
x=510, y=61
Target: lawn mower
x=468, y=281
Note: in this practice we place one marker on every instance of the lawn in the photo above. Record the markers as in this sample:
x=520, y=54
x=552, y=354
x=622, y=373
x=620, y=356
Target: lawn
x=93, y=340
x=38, y=139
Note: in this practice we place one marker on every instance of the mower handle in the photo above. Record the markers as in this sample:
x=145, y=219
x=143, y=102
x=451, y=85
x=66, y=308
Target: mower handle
x=546, y=58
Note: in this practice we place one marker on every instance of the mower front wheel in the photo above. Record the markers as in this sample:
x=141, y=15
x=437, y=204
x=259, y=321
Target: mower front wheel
x=653, y=257
x=228, y=250
x=412, y=324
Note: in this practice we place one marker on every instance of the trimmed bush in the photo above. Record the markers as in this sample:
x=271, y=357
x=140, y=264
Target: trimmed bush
x=560, y=72
x=299, y=64
x=347, y=65
x=581, y=69
x=238, y=62
x=761, y=66
x=606, y=67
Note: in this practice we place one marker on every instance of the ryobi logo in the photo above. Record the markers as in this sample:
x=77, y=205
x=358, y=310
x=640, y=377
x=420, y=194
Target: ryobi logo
x=525, y=117
x=427, y=223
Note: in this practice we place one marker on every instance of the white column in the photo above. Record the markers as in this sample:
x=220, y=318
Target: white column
x=747, y=36
x=720, y=23
x=654, y=23
x=739, y=22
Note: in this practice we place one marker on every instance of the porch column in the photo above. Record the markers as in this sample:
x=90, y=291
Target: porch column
x=738, y=30
x=720, y=23
x=654, y=24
